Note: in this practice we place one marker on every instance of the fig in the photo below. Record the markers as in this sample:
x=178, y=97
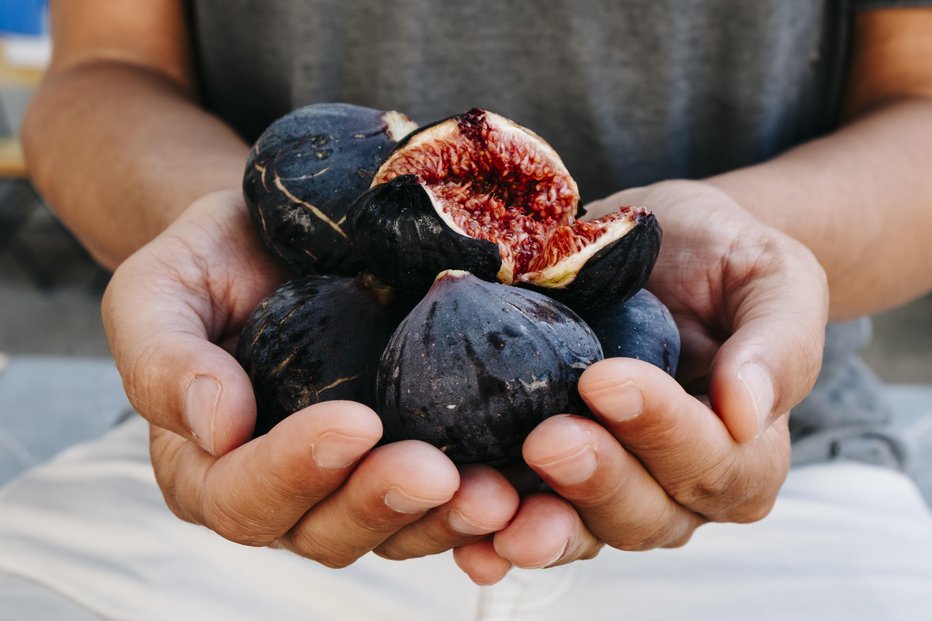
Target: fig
x=475, y=366
x=480, y=193
x=641, y=327
x=316, y=338
x=305, y=170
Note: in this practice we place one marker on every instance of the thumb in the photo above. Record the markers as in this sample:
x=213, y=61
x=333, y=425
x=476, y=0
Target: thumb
x=173, y=375
x=163, y=308
x=778, y=303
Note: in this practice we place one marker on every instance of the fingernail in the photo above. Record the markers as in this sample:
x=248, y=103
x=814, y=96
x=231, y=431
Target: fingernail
x=461, y=524
x=334, y=450
x=570, y=469
x=617, y=402
x=401, y=502
x=757, y=382
x=200, y=408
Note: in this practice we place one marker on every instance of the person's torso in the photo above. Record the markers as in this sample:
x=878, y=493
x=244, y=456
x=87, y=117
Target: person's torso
x=628, y=92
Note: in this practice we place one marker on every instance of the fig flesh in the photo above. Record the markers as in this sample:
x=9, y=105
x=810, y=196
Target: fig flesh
x=641, y=327
x=475, y=366
x=316, y=338
x=479, y=192
x=303, y=173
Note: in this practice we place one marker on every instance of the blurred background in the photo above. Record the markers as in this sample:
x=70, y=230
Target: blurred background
x=54, y=360
x=55, y=368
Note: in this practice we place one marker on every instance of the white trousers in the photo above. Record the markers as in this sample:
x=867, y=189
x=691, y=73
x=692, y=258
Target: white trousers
x=87, y=536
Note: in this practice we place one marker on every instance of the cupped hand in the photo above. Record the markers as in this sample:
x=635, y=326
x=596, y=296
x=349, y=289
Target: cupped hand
x=314, y=484
x=663, y=456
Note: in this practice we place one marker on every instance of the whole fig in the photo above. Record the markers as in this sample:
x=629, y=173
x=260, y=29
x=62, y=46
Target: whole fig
x=316, y=338
x=475, y=366
x=305, y=170
x=641, y=327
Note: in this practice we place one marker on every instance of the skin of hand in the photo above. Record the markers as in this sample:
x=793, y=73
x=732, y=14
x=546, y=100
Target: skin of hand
x=659, y=460
x=315, y=484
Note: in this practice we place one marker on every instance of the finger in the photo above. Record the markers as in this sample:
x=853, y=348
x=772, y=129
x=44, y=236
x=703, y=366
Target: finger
x=164, y=306
x=546, y=532
x=481, y=562
x=766, y=294
x=683, y=444
x=391, y=488
x=257, y=492
x=619, y=501
x=778, y=307
x=484, y=503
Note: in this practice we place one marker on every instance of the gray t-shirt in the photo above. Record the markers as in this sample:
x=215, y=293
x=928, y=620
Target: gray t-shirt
x=628, y=91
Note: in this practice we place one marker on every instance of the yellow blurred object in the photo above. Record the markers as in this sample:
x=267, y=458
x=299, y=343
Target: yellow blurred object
x=15, y=76
x=12, y=163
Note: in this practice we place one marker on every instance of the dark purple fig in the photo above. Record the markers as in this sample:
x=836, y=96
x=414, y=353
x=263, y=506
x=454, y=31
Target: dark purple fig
x=475, y=366
x=316, y=338
x=641, y=327
x=479, y=192
x=305, y=170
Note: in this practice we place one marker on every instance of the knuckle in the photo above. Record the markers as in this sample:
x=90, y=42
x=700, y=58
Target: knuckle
x=332, y=561
x=164, y=457
x=753, y=511
x=173, y=502
x=176, y=509
x=762, y=482
x=380, y=524
x=649, y=534
x=681, y=540
x=234, y=524
x=393, y=552
x=591, y=552
x=136, y=380
x=287, y=487
x=645, y=539
x=310, y=545
x=717, y=483
x=337, y=563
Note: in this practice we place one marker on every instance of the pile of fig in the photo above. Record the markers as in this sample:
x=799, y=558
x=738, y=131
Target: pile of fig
x=441, y=276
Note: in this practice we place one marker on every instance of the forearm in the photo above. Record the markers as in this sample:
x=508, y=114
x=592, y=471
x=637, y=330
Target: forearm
x=119, y=151
x=860, y=199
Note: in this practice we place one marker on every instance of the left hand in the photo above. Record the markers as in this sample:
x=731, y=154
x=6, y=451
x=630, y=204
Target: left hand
x=667, y=456
x=313, y=484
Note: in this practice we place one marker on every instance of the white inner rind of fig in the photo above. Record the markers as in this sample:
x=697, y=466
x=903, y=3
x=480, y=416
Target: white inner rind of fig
x=490, y=178
x=399, y=125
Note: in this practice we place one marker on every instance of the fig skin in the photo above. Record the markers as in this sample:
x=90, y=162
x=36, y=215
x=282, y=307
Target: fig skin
x=613, y=274
x=641, y=327
x=475, y=366
x=305, y=170
x=316, y=338
x=406, y=244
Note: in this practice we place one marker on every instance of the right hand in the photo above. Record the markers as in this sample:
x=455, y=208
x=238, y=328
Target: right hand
x=314, y=484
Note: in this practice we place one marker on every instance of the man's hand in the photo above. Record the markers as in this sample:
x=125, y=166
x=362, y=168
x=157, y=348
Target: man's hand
x=314, y=484
x=751, y=305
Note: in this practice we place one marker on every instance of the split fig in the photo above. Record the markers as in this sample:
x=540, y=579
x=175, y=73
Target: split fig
x=303, y=173
x=475, y=366
x=478, y=192
x=316, y=338
x=641, y=327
